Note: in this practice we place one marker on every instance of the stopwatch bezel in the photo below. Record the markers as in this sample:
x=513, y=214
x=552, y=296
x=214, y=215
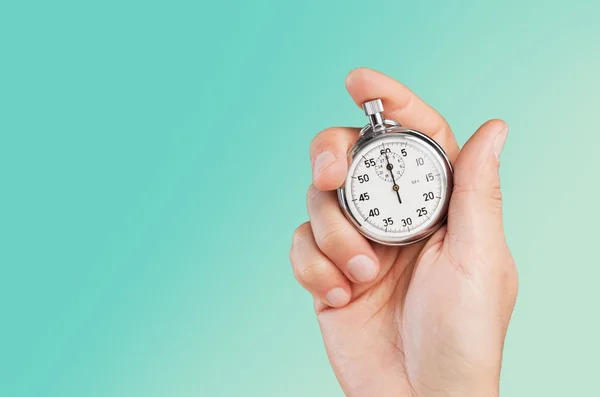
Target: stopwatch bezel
x=447, y=171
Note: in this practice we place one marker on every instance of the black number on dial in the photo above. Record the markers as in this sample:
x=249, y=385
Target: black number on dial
x=422, y=211
x=374, y=212
x=364, y=197
x=363, y=178
x=406, y=222
x=370, y=163
x=428, y=196
x=387, y=222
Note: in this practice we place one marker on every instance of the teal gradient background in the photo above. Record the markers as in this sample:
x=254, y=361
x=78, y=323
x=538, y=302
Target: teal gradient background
x=154, y=162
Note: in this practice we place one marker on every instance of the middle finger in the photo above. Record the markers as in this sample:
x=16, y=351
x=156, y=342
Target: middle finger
x=337, y=238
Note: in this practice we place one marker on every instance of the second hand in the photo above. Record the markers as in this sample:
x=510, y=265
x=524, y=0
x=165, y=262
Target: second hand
x=390, y=167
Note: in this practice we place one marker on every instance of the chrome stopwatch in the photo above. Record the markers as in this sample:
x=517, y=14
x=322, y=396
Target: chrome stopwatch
x=399, y=182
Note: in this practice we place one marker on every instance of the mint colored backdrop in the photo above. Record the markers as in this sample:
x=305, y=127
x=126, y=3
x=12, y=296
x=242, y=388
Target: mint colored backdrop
x=153, y=165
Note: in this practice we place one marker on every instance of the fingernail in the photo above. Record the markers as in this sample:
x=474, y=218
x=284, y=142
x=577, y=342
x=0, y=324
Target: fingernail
x=499, y=142
x=322, y=161
x=337, y=297
x=362, y=268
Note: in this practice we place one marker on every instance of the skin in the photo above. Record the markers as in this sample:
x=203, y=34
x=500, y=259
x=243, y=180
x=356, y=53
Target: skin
x=428, y=319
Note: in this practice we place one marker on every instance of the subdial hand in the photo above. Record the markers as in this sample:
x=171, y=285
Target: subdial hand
x=390, y=168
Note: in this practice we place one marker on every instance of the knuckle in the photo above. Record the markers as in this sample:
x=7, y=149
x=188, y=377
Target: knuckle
x=460, y=189
x=491, y=195
x=325, y=135
x=312, y=194
x=331, y=138
x=300, y=236
x=496, y=196
x=322, y=140
x=328, y=132
x=310, y=273
x=332, y=237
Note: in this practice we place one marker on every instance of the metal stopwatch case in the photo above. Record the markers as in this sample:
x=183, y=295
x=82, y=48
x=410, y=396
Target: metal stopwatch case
x=399, y=182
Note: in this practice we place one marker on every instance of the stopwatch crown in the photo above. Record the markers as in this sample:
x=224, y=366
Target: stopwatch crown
x=374, y=111
x=373, y=107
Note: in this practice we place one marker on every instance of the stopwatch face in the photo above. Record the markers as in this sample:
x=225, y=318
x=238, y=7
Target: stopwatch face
x=398, y=187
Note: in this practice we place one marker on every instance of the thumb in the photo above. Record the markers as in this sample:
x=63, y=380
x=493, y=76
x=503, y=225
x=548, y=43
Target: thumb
x=475, y=213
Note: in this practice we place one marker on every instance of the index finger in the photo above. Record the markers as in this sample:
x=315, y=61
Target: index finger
x=330, y=148
x=402, y=105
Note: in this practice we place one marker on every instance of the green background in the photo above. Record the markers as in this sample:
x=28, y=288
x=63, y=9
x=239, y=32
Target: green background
x=154, y=162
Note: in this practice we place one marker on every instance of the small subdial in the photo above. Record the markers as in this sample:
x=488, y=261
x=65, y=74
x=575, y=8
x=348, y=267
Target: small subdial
x=385, y=166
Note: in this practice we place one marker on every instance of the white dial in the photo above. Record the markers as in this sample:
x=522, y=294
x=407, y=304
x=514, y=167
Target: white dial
x=397, y=188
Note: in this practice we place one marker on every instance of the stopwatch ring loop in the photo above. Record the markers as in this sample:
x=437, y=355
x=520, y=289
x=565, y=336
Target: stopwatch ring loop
x=386, y=123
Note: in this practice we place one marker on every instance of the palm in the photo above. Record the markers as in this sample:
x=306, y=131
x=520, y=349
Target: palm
x=401, y=327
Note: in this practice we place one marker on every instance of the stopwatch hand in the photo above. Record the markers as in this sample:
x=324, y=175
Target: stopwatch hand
x=390, y=168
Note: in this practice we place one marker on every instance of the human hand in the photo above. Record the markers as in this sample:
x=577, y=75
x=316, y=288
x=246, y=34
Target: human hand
x=428, y=319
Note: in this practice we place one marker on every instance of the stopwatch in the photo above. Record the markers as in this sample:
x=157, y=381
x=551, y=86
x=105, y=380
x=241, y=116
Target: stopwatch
x=399, y=182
